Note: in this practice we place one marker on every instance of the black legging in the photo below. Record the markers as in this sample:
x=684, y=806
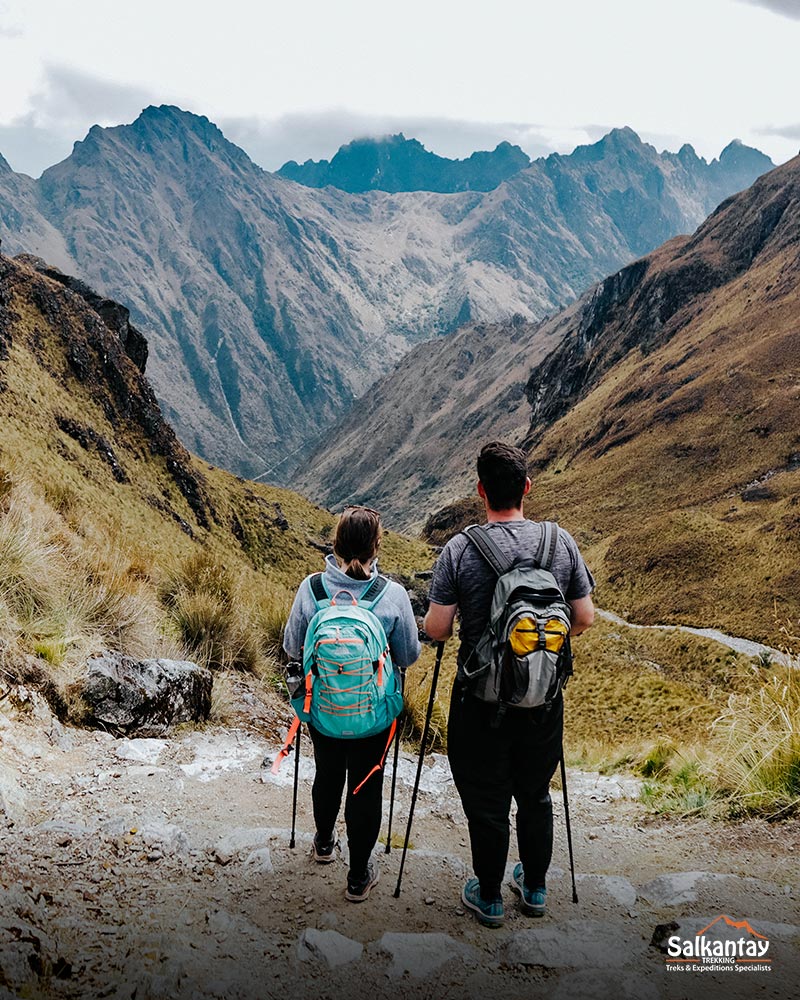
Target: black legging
x=354, y=759
x=491, y=765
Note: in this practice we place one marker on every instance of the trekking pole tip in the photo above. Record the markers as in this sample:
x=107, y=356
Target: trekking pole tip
x=396, y=893
x=574, y=897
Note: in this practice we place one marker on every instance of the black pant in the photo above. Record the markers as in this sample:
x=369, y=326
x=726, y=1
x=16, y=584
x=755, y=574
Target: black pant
x=354, y=759
x=491, y=765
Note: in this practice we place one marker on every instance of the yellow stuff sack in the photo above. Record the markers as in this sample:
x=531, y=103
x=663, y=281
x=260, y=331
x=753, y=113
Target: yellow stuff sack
x=524, y=637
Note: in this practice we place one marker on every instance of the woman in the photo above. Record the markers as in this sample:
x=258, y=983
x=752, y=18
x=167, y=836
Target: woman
x=353, y=569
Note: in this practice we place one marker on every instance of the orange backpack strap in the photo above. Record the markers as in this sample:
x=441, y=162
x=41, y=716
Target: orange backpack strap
x=380, y=763
x=287, y=746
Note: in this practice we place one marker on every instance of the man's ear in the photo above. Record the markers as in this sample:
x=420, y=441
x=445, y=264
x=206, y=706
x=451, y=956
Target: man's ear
x=527, y=489
x=481, y=490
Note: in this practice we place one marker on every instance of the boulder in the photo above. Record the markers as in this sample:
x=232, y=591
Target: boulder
x=126, y=695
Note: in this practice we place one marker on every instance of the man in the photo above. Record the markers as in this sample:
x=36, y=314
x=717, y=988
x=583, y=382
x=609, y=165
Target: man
x=499, y=756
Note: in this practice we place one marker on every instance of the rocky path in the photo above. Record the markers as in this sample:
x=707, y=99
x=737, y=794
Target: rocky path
x=160, y=868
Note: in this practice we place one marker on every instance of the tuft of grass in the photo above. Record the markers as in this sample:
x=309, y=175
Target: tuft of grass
x=683, y=789
x=225, y=621
x=756, y=742
x=223, y=697
x=417, y=690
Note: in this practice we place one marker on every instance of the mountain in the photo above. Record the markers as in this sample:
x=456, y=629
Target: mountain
x=394, y=163
x=660, y=411
x=269, y=307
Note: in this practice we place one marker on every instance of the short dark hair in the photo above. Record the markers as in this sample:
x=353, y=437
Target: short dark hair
x=502, y=470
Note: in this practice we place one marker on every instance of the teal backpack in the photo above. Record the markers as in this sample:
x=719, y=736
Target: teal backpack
x=349, y=688
x=354, y=689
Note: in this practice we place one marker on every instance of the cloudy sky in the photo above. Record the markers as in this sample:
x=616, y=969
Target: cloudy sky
x=295, y=81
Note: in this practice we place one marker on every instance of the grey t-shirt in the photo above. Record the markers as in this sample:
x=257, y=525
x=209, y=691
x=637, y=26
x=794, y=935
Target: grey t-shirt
x=463, y=577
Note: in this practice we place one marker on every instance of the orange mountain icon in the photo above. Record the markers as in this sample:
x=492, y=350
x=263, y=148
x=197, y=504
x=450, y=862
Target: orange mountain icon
x=739, y=925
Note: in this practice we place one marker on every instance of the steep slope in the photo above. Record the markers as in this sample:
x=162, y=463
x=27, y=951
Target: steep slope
x=394, y=163
x=664, y=426
x=269, y=306
x=102, y=509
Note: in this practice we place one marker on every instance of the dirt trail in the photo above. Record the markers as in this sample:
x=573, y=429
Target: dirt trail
x=161, y=868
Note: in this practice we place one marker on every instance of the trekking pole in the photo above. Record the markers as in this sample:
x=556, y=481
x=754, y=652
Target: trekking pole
x=394, y=786
x=296, y=782
x=569, y=829
x=425, y=729
x=394, y=775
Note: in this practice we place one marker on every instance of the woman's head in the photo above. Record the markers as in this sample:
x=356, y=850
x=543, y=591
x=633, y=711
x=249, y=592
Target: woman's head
x=357, y=540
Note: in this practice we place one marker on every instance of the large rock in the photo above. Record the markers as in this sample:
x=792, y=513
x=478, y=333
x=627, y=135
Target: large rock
x=127, y=695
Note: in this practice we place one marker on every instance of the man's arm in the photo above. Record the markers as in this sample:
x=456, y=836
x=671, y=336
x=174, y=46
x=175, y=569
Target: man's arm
x=438, y=622
x=582, y=614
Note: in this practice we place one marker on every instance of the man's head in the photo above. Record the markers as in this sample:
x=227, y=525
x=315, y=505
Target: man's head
x=502, y=476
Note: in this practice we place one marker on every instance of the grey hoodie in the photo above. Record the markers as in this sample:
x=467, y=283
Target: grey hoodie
x=393, y=611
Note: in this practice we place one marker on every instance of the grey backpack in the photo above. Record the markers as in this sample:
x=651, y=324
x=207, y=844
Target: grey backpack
x=523, y=657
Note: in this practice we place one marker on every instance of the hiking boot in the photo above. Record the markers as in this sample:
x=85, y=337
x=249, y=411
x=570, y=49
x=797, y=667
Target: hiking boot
x=531, y=901
x=489, y=912
x=323, y=852
x=358, y=889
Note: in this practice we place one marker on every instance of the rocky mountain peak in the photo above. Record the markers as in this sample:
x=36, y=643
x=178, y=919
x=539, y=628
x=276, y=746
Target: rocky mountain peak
x=161, y=131
x=4, y=166
x=736, y=155
x=396, y=163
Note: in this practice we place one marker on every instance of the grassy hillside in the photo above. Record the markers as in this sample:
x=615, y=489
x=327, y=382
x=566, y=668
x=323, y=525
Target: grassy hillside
x=111, y=534
x=677, y=458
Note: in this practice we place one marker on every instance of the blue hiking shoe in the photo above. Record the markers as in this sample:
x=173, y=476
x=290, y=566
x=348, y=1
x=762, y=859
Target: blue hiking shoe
x=490, y=913
x=531, y=901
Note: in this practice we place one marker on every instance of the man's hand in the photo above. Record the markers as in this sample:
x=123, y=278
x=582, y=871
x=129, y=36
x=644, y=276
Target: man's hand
x=438, y=623
x=582, y=614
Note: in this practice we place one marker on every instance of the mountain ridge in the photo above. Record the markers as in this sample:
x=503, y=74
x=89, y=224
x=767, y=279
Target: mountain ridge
x=269, y=307
x=394, y=163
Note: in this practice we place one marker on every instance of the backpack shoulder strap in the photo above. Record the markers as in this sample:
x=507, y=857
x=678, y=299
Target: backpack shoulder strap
x=488, y=548
x=318, y=589
x=547, y=545
x=374, y=592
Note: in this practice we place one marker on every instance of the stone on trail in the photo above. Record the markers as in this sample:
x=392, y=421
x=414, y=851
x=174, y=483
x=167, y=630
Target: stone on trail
x=575, y=944
x=619, y=889
x=241, y=842
x=260, y=861
x=681, y=888
x=592, y=985
x=127, y=695
x=167, y=836
x=421, y=954
x=12, y=798
x=329, y=947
